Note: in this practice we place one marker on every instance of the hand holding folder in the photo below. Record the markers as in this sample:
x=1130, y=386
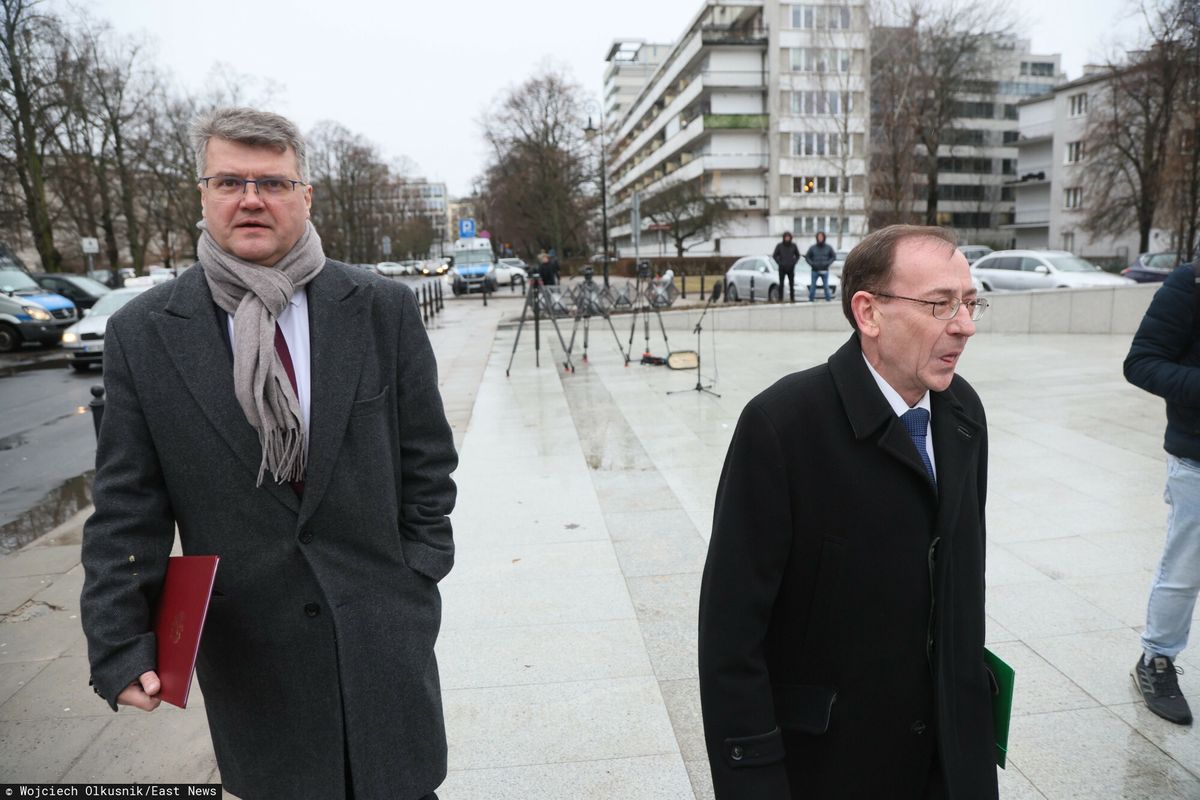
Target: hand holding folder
x=1002, y=697
x=179, y=621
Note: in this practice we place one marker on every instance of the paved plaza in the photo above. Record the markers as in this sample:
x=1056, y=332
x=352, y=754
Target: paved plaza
x=568, y=648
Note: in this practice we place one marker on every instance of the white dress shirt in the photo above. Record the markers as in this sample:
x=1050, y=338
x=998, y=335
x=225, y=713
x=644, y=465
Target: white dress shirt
x=899, y=406
x=294, y=324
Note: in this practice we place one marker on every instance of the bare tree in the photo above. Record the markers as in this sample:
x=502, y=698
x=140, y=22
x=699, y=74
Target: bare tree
x=1127, y=144
x=30, y=108
x=692, y=214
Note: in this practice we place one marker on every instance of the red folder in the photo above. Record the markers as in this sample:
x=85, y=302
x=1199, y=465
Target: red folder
x=179, y=620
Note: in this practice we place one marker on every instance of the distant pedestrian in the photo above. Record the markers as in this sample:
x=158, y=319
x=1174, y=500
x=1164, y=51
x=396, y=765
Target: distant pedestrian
x=786, y=255
x=548, y=268
x=819, y=257
x=1164, y=359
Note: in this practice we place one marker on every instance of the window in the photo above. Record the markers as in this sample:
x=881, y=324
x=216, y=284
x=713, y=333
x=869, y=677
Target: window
x=1074, y=152
x=1073, y=197
x=820, y=184
x=971, y=220
x=1010, y=111
x=974, y=110
x=1008, y=166
x=819, y=102
x=1012, y=137
x=974, y=166
x=1042, y=69
x=820, y=144
x=821, y=17
x=965, y=136
x=830, y=225
x=816, y=59
x=1068, y=242
x=1078, y=104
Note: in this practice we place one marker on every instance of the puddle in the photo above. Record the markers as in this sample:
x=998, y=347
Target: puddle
x=55, y=508
x=13, y=442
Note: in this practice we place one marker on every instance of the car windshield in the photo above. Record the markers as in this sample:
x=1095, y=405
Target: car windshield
x=467, y=258
x=111, y=302
x=1163, y=261
x=89, y=285
x=1072, y=264
x=512, y=262
x=17, y=280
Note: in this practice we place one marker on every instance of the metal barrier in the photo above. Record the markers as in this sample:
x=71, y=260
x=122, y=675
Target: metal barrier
x=97, y=407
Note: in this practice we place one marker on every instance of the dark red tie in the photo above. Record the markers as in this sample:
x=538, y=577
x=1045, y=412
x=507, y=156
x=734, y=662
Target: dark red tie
x=286, y=357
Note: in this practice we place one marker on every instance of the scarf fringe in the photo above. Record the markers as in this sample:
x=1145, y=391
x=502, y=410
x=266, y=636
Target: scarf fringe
x=284, y=455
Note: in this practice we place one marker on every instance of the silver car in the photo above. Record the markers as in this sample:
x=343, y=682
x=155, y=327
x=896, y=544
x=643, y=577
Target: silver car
x=1040, y=269
x=764, y=272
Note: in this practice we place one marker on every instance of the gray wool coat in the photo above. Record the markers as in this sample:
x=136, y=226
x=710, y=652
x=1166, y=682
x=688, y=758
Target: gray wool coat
x=318, y=649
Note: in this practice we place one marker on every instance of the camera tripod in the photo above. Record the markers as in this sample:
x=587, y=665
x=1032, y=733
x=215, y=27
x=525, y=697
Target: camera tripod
x=644, y=305
x=537, y=299
x=589, y=302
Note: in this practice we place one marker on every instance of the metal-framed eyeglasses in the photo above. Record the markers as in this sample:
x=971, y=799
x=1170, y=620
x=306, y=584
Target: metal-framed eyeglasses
x=945, y=310
x=228, y=187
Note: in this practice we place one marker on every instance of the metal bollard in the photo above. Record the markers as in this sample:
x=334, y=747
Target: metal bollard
x=440, y=301
x=703, y=294
x=751, y=288
x=485, y=291
x=425, y=305
x=97, y=407
x=683, y=284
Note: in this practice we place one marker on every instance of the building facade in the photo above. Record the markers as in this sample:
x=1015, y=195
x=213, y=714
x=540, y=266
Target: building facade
x=1051, y=186
x=631, y=63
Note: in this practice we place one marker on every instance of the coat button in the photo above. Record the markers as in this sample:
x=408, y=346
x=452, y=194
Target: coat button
x=918, y=727
x=312, y=609
x=306, y=537
x=736, y=752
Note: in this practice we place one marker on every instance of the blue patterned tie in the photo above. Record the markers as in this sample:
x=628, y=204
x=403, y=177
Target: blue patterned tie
x=916, y=420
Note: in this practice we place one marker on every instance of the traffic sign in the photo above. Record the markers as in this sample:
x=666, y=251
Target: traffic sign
x=387, y=245
x=466, y=228
x=89, y=245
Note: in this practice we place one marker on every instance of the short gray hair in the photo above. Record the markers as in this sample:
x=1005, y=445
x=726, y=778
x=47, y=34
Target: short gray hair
x=250, y=127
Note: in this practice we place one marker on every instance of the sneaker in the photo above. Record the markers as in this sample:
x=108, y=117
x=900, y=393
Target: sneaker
x=1159, y=686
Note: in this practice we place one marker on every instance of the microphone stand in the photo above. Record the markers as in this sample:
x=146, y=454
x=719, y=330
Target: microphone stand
x=700, y=387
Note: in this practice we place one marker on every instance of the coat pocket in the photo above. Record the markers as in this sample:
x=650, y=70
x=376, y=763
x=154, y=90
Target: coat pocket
x=805, y=709
x=754, y=751
x=361, y=408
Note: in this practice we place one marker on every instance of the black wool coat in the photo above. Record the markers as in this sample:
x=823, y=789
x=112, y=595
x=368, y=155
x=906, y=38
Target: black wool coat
x=318, y=647
x=841, y=608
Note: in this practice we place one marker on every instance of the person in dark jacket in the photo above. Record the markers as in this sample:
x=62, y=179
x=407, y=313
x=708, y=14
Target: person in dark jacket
x=1164, y=359
x=786, y=255
x=819, y=257
x=548, y=268
x=842, y=602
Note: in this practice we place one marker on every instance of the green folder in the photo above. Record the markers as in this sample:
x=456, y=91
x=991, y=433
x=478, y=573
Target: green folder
x=1002, y=697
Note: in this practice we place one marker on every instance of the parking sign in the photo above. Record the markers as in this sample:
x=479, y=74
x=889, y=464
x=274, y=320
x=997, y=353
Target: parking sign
x=466, y=228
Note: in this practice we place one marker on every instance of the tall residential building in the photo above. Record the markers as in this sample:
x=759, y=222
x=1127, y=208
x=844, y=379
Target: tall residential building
x=978, y=158
x=761, y=103
x=1051, y=185
x=631, y=62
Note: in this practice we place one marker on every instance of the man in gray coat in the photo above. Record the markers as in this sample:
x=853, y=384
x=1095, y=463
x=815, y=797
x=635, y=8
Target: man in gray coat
x=282, y=410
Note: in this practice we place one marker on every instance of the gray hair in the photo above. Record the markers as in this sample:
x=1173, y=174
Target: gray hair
x=250, y=127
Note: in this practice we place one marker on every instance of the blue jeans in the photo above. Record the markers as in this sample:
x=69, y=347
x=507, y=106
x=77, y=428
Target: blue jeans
x=1173, y=594
x=823, y=276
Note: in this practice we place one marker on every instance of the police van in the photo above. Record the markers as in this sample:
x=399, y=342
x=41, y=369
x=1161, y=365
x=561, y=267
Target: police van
x=474, y=266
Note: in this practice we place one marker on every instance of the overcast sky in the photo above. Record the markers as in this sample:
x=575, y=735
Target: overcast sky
x=416, y=77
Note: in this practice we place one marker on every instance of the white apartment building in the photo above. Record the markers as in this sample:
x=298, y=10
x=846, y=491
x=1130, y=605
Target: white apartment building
x=763, y=103
x=978, y=159
x=1051, y=186
x=631, y=62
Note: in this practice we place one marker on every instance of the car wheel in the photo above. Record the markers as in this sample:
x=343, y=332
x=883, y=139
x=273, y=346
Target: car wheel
x=81, y=366
x=731, y=293
x=773, y=294
x=456, y=289
x=10, y=338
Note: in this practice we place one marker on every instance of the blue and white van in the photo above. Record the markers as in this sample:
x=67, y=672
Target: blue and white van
x=29, y=313
x=474, y=266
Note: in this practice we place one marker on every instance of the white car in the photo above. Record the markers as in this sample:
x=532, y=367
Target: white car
x=1040, y=269
x=765, y=275
x=510, y=269
x=85, y=339
x=391, y=269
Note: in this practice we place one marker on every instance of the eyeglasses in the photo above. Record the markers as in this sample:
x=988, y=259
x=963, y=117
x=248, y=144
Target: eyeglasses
x=945, y=310
x=228, y=187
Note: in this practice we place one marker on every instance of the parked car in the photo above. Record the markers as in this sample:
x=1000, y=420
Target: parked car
x=1152, y=267
x=510, y=269
x=29, y=313
x=1040, y=269
x=765, y=273
x=85, y=339
x=79, y=289
x=153, y=279
x=434, y=267
x=391, y=269
x=974, y=252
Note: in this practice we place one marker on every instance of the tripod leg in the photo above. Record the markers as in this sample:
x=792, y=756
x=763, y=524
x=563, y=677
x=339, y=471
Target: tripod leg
x=616, y=336
x=517, y=338
x=586, y=327
x=663, y=328
x=554, y=321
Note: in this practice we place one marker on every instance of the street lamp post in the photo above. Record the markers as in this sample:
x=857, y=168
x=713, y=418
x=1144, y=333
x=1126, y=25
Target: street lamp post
x=591, y=131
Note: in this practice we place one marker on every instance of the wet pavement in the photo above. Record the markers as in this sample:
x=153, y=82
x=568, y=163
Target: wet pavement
x=568, y=644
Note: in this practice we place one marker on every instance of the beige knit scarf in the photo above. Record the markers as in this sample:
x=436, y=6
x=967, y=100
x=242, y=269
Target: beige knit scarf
x=255, y=296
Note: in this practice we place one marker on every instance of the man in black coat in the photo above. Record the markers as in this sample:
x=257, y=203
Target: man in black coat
x=820, y=258
x=841, y=608
x=786, y=255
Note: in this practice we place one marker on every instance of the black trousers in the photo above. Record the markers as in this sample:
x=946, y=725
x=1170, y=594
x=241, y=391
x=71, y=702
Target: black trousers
x=789, y=274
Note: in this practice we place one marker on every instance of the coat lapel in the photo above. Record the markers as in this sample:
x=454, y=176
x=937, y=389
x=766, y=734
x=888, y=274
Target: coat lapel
x=338, y=337
x=956, y=439
x=190, y=331
x=869, y=412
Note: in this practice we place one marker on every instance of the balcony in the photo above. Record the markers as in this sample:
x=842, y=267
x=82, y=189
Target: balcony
x=755, y=122
x=724, y=34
